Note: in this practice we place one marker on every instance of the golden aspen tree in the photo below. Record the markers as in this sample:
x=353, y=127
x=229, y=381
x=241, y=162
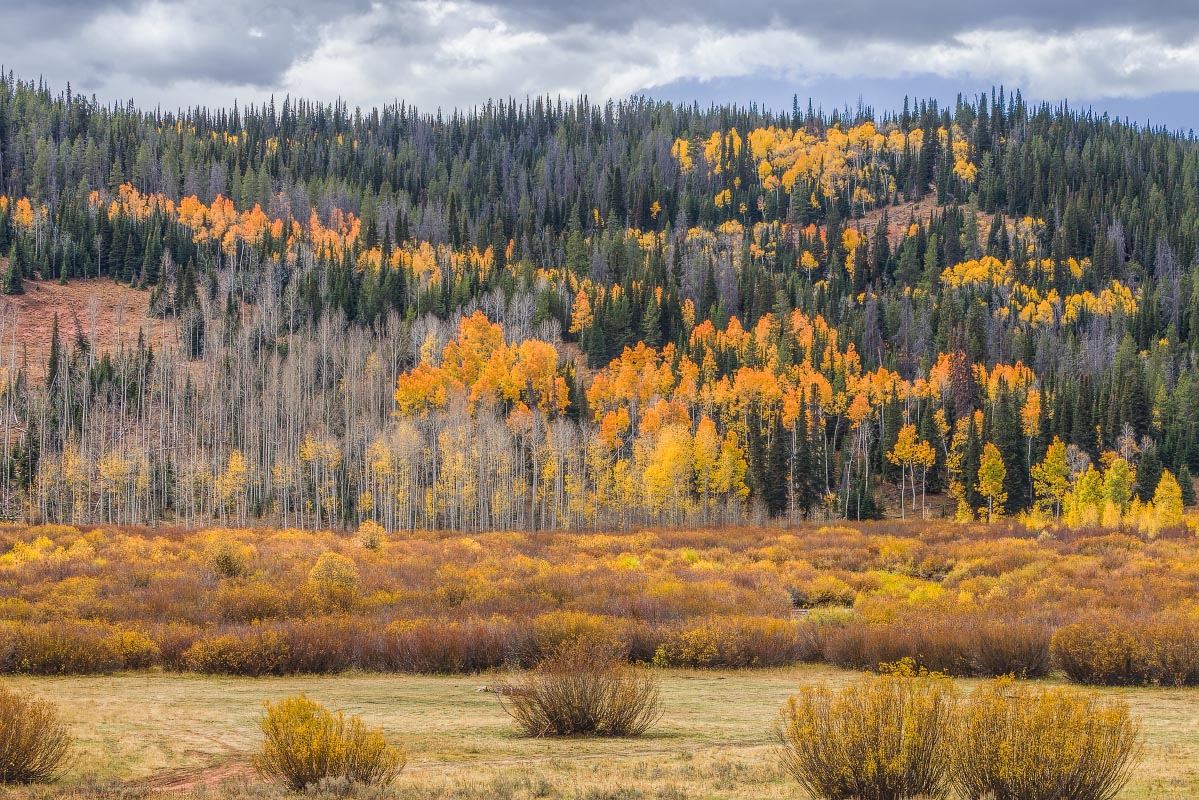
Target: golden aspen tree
x=231, y=487
x=1167, y=501
x=991, y=474
x=1051, y=477
x=1118, y=483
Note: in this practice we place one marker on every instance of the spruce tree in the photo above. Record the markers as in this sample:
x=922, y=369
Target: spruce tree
x=1187, y=484
x=776, y=489
x=1008, y=436
x=651, y=323
x=13, y=278
x=1149, y=472
x=53, y=362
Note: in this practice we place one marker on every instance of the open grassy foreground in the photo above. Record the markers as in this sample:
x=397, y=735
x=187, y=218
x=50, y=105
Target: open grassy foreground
x=181, y=735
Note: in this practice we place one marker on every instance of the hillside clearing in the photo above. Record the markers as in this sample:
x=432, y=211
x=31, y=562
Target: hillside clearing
x=109, y=315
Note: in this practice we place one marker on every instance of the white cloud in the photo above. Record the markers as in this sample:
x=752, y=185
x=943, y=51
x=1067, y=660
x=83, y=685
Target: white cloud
x=464, y=53
x=444, y=53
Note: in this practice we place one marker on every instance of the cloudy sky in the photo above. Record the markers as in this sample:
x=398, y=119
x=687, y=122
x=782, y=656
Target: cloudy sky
x=1135, y=59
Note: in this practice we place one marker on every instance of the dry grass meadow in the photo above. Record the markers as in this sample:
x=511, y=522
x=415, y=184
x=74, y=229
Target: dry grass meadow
x=169, y=735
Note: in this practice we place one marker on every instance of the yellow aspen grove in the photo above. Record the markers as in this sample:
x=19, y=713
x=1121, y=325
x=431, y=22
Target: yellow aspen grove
x=903, y=454
x=912, y=453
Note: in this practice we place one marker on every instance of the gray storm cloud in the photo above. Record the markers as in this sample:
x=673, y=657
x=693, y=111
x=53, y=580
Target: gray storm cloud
x=443, y=54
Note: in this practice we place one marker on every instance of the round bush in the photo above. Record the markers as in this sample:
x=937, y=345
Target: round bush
x=885, y=736
x=335, y=579
x=304, y=744
x=33, y=742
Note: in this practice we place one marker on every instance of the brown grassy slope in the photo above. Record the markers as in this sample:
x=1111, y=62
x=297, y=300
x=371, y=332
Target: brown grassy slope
x=901, y=215
x=108, y=314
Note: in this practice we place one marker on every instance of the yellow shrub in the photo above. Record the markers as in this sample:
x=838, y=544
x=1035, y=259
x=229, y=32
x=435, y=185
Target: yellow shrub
x=1018, y=741
x=255, y=652
x=1100, y=654
x=550, y=630
x=33, y=742
x=304, y=744
x=134, y=649
x=371, y=534
x=885, y=736
x=335, y=579
x=229, y=558
x=237, y=601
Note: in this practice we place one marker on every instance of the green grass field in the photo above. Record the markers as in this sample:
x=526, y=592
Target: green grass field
x=160, y=734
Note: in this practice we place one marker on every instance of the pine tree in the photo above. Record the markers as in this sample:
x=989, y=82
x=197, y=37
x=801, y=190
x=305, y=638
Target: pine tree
x=756, y=461
x=1149, y=473
x=651, y=323
x=13, y=283
x=1188, y=485
x=1008, y=436
x=863, y=505
x=709, y=296
x=152, y=258
x=55, y=359
x=776, y=489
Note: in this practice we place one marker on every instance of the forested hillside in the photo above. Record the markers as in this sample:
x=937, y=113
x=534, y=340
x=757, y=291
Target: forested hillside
x=552, y=314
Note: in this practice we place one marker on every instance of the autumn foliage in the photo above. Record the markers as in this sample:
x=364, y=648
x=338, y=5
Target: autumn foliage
x=304, y=744
x=964, y=600
x=1016, y=741
x=34, y=742
x=885, y=736
x=907, y=734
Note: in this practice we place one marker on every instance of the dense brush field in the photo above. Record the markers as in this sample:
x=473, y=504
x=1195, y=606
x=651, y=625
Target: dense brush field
x=1107, y=608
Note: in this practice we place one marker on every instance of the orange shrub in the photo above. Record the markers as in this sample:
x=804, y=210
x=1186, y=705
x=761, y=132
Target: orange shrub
x=963, y=599
x=242, y=602
x=962, y=646
x=173, y=641
x=323, y=645
x=735, y=642
x=436, y=646
x=552, y=629
x=251, y=652
x=1020, y=649
x=1100, y=653
x=71, y=648
x=1171, y=643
